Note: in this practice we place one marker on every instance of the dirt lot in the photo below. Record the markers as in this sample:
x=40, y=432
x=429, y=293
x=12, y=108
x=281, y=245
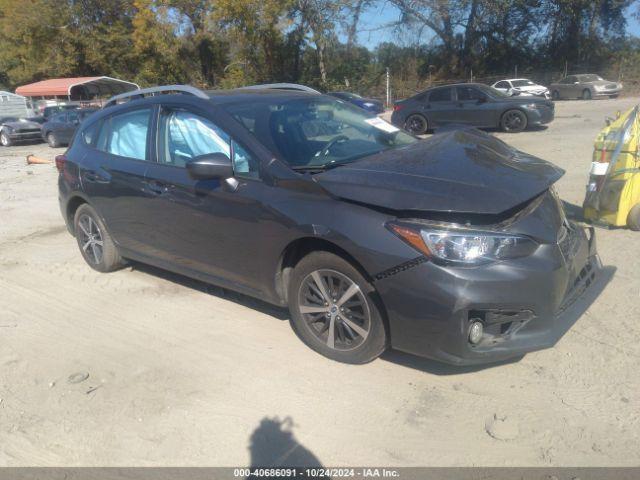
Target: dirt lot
x=180, y=373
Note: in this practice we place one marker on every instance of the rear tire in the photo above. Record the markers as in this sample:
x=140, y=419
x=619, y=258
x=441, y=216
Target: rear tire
x=52, y=140
x=95, y=243
x=5, y=140
x=342, y=320
x=513, y=121
x=586, y=94
x=633, y=219
x=613, y=96
x=416, y=124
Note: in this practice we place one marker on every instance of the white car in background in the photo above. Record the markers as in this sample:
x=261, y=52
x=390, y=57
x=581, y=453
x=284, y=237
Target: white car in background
x=522, y=86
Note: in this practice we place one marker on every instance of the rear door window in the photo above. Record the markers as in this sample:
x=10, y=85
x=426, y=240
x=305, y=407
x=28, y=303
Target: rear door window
x=469, y=94
x=125, y=134
x=440, y=95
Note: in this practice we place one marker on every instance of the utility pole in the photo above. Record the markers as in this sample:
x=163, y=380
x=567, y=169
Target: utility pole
x=388, y=89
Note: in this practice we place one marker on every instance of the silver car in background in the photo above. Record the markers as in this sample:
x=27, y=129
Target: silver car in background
x=586, y=87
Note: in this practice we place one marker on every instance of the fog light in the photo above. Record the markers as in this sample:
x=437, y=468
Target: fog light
x=475, y=332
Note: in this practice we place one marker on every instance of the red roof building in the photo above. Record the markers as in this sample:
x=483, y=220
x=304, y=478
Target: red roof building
x=77, y=88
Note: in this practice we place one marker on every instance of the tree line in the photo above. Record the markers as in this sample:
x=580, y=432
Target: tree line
x=227, y=43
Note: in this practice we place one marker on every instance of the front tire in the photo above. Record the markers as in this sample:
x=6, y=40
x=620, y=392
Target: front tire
x=5, y=139
x=513, y=121
x=334, y=309
x=586, y=94
x=633, y=219
x=416, y=124
x=95, y=243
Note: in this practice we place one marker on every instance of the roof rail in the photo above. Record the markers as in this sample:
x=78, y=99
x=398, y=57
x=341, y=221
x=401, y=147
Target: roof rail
x=281, y=86
x=134, y=94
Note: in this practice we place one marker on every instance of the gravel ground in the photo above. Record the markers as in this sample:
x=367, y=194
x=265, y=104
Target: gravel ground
x=141, y=367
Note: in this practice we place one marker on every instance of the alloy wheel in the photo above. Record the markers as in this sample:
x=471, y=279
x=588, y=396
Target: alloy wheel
x=4, y=139
x=91, y=239
x=417, y=124
x=513, y=121
x=334, y=309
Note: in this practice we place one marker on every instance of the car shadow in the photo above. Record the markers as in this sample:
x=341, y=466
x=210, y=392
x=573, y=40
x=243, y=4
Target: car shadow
x=273, y=445
x=250, y=302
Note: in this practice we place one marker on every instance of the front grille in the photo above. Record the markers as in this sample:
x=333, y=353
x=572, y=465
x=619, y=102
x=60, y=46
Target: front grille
x=28, y=130
x=611, y=86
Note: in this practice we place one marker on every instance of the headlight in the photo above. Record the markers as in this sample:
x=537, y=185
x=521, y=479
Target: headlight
x=464, y=247
x=368, y=104
x=8, y=129
x=598, y=88
x=477, y=247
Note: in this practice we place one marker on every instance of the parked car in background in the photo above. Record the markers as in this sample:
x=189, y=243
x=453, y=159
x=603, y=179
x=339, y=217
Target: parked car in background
x=521, y=86
x=586, y=87
x=59, y=129
x=48, y=112
x=17, y=130
x=369, y=104
x=471, y=104
x=455, y=247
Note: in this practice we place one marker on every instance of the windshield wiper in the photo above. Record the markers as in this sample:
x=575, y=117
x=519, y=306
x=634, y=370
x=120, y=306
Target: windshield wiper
x=317, y=168
x=334, y=164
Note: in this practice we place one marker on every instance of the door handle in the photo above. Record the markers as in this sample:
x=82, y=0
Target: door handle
x=155, y=188
x=92, y=176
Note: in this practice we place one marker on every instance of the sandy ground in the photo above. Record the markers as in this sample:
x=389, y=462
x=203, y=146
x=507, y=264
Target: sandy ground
x=180, y=373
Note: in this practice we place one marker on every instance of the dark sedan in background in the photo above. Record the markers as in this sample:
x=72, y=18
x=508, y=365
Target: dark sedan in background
x=16, y=130
x=369, y=104
x=470, y=104
x=59, y=129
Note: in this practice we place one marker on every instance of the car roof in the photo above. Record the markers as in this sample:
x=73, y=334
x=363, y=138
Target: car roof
x=237, y=95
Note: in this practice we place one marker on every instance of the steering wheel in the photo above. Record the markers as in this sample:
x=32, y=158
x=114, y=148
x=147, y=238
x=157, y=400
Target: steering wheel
x=325, y=150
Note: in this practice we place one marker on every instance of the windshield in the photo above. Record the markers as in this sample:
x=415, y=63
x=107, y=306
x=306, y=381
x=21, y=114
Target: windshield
x=522, y=83
x=317, y=132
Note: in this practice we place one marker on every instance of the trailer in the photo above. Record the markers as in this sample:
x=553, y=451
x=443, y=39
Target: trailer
x=12, y=105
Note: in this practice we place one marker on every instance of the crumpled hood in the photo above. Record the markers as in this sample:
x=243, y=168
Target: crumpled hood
x=466, y=171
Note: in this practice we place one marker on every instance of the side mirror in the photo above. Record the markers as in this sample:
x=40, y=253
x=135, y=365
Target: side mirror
x=209, y=166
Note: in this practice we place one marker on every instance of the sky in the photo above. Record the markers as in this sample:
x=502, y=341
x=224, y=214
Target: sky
x=372, y=32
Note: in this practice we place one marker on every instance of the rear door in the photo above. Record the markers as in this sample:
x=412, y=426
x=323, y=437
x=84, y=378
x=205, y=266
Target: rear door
x=69, y=126
x=113, y=173
x=440, y=106
x=566, y=86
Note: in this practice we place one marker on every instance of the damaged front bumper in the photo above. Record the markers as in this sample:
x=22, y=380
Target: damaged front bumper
x=524, y=305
